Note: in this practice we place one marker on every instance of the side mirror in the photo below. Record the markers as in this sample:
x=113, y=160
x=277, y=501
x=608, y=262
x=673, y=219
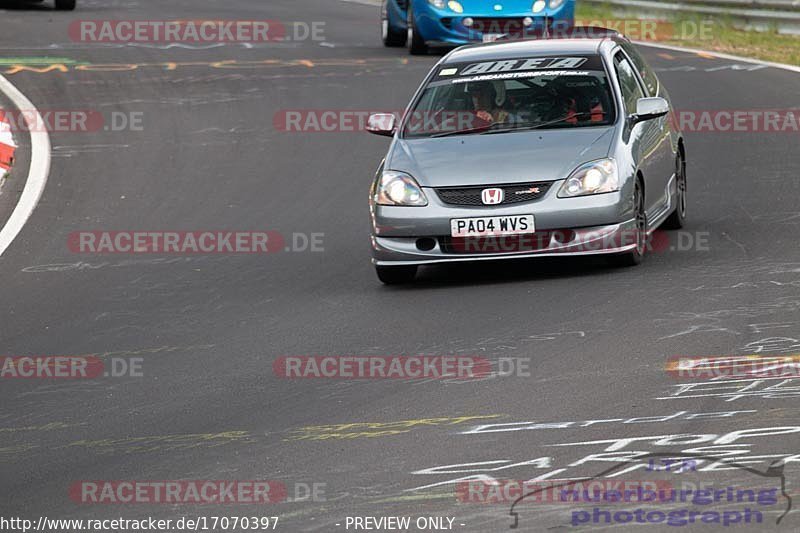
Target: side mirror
x=648, y=109
x=382, y=124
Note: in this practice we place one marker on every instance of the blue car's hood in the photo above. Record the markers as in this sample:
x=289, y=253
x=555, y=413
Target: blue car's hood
x=501, y=158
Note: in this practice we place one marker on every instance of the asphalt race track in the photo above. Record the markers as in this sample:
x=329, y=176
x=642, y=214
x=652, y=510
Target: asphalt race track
x=593, y=341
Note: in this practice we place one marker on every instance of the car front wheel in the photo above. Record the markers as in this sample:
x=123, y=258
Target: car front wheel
x=390, y=36
x=635, y=256
x=416, y=44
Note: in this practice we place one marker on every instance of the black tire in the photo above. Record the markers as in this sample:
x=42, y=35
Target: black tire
x=678, y=217
x=416, y=44
x=396, y=275
x=391, y=38
x=65, y=5
x=635, y=256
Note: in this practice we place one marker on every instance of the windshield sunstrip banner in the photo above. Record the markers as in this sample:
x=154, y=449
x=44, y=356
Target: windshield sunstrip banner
x=512, y=66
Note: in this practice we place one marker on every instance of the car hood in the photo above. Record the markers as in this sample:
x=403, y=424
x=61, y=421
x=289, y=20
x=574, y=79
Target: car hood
x=518, y=157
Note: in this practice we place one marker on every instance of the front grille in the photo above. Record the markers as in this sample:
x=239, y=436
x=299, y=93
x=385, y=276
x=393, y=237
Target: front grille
x=514, y=194
x=496, y=245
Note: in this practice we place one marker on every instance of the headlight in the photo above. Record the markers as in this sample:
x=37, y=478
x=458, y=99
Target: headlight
x=592, y=178
x=455, y=6
x=555, y=4
x=438, y=4
x=539, y=5
x=398, y=188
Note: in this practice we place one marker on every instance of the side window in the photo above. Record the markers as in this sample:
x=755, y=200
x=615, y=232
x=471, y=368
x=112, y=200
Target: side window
x=645, y=70
x=631, y=90
x=434, y=97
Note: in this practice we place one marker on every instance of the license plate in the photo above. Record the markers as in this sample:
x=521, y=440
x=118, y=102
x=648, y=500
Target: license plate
x=488, y=226
x=491, y=37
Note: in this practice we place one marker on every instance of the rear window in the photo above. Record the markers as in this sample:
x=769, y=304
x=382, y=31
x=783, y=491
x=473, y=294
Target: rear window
x=504, y=94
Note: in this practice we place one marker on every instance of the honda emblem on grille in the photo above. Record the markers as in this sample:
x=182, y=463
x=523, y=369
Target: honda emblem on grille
x=492, y=196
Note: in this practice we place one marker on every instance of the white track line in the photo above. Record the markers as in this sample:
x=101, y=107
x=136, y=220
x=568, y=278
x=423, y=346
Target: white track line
x=39, y=167
x=375, y=3
x=720, y=55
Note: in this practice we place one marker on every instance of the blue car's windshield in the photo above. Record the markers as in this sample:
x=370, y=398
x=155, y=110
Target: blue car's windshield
x=513, y=95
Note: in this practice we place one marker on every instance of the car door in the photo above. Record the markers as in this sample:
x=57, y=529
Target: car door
x=647, y=139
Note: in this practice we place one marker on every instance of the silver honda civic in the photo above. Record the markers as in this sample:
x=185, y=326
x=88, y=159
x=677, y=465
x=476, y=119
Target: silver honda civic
x=557, y=147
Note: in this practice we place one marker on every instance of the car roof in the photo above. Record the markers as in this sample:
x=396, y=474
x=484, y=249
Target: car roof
x=527, y=48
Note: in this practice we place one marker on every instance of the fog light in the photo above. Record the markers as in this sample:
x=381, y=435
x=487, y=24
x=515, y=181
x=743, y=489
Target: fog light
x=426, y=245
x=468, y=22
x=564, y=236
x=527, y=21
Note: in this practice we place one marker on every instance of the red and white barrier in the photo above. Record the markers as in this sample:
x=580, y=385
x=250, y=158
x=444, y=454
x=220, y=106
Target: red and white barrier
x=7, y=146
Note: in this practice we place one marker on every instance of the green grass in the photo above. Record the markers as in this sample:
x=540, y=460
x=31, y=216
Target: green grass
x=719, y=34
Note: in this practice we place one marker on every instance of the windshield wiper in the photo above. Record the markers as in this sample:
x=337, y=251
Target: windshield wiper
x=526, y=126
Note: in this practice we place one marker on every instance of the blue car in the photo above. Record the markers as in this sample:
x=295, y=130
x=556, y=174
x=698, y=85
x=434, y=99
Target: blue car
x=421, y=23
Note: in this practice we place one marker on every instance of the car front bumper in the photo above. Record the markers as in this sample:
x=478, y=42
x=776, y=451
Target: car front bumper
x=588, y=225
x=613, y=239
x=446, y=27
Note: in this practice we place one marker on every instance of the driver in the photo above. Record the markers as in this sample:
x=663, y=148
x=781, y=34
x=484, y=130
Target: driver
x=488, y=100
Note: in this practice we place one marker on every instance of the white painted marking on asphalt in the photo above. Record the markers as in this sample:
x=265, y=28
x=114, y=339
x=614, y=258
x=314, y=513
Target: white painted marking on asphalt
x=363, y=2
x=720, y=55
x=39, y=167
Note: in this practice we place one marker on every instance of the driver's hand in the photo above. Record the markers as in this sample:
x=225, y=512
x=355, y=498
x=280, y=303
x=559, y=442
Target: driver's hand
x=485, y=115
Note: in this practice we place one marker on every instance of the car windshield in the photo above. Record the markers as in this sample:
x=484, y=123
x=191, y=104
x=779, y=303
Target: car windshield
x=504, y=96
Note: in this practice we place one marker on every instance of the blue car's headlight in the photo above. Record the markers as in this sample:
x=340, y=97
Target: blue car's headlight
x=455, y=6
x=398, y=188
x=597, y=177
x=540, y=5
x=438, y=4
